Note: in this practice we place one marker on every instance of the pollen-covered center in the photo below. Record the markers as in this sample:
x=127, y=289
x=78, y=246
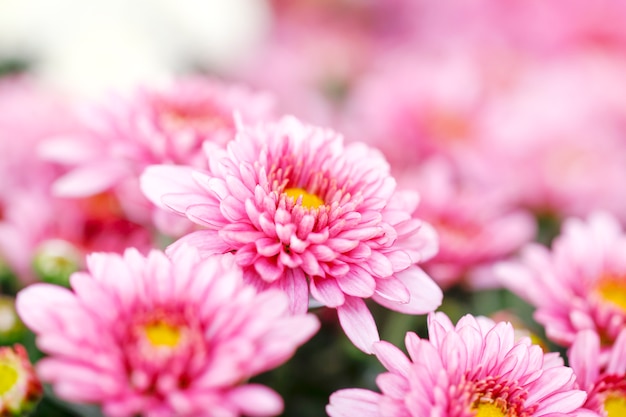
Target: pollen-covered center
x=310, y=201
x=489, y=409
x=161, y=334
x=8, y=377
x=615, y=405
x=612, y=289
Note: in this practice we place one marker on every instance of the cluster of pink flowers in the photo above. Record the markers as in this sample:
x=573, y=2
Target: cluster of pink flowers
x=170, y=243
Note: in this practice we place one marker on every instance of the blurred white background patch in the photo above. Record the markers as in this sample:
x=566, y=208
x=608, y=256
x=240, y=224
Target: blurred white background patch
x=87, y=46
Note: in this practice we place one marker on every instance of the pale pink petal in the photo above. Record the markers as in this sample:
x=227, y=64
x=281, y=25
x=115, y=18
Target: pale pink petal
x=326, y=291
x=583, y=357
x=353, y=402
x=89, y=180
x=256, y=400
x=358, y=323
x=69, y=150
x=207, y=242
x=392, y=358
x=159, y=180
x=425, y=295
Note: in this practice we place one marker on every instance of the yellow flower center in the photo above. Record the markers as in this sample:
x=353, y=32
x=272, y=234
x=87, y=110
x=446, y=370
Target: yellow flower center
x=162, y=334
x=310, y=201
x=488, y=409
x=613, y=290
x=8, y=377
x=615, y=405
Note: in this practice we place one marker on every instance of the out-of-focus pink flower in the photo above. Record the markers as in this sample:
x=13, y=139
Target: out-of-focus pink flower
x=602, y=376
x=29, y=113
x=578, y=284
x=162, y=337
x=43, y=237
x=164, y=124
x=19, y=387
x=476, y=225
x=475, y=368
x=561, y=26
x=542, y=153
x=413, y=107
x=304, y=213
x=31, y=219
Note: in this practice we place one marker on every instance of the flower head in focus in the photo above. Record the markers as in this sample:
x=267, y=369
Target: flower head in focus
x=308, y=215
x=578, y=284
x=602, y=376
x=473, y=369
x=160, y=337
x=19, y=387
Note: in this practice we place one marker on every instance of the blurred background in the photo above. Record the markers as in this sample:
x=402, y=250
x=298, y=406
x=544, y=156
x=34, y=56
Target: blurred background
x=506, y=116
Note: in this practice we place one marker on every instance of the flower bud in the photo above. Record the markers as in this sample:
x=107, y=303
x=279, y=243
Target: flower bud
x=12, y=329
x=20, y=390
x=55, y=260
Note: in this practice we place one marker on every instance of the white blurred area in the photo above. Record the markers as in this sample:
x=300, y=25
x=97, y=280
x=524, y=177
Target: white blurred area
x=88, y=46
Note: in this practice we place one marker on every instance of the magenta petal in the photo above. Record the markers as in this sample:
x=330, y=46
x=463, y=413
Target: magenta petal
x=358, y=324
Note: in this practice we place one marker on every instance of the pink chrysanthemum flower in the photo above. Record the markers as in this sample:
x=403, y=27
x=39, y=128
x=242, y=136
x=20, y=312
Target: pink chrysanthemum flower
x=160, y=124
x=579, y=284
x=476, y=225
x=160, y=337
x=19, y=387
x=603, y=379
x=304, y=213
x=473, y=369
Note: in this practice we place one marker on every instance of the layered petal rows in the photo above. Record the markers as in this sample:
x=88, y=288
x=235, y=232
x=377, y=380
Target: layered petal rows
x=154, y=336
x=310, y=216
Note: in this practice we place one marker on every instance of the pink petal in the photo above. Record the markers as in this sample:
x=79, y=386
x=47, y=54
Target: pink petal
x=69, y=150
x=392, y=290
x=294, y=284
x=392, y=358
x=159, y=180
x=358, y=323
x=208, y=214
x=326, y=291
x=583, y=357
x=207, y=242
x=353, y=402
x=256, y=400
x=269, y=269
x=90, y=179
x=46, y=307
x=357, y=282
x=617, y=360
x=426, y=296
